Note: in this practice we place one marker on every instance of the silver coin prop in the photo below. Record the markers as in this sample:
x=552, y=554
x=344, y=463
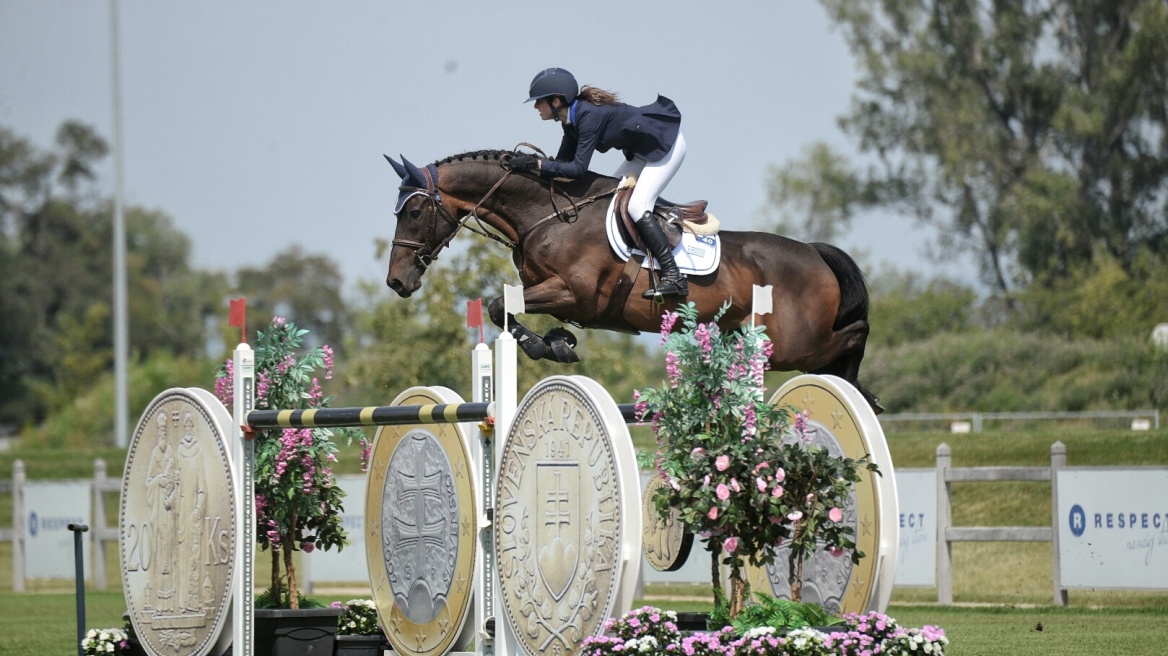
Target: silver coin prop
x=665, y=541
x=567, y=522
x=420, y=514
x=177, y=525
x=841, y=421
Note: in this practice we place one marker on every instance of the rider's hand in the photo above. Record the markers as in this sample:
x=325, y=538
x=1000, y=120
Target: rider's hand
x=523, y=162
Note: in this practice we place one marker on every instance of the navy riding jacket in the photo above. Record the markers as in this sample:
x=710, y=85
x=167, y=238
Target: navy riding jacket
x=647, y=132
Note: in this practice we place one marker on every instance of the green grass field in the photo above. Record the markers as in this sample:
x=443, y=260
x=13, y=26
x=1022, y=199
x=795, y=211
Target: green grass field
x=1003, y=590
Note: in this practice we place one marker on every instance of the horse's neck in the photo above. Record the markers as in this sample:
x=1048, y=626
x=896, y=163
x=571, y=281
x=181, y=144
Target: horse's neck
x=520, y=204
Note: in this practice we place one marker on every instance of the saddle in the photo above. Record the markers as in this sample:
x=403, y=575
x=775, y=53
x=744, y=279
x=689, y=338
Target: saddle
x=674, y=217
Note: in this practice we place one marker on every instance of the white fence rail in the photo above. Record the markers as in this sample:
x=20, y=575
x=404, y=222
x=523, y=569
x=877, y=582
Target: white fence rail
x=976, y=421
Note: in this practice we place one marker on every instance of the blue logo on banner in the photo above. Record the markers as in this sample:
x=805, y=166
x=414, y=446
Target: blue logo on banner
x=32, y=524
x=1078, y=520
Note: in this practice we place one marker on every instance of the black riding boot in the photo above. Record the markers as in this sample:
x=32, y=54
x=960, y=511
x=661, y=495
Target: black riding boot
x=672, y=282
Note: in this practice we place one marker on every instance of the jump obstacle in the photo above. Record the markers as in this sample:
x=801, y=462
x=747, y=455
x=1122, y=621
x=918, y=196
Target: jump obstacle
x=491, y=413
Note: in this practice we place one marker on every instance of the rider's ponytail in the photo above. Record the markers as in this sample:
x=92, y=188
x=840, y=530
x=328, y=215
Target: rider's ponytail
x=597, y=96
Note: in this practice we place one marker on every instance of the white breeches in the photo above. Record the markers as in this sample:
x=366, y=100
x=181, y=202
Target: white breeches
x=652, y=177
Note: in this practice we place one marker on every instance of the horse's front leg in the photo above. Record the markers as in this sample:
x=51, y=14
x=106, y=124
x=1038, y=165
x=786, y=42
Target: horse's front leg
x=558, y=344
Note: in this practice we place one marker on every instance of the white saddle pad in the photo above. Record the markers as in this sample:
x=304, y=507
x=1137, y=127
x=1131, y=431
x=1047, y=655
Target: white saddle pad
x=696, y=255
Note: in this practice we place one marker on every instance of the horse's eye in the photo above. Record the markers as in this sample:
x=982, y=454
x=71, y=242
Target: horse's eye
x=414, y=214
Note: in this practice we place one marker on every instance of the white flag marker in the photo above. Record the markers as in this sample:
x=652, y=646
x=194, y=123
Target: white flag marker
x=761, y=302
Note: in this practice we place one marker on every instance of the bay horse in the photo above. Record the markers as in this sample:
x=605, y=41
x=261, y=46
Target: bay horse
x=556, y=231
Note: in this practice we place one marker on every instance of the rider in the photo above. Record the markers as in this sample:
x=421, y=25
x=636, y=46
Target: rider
x=596, y=120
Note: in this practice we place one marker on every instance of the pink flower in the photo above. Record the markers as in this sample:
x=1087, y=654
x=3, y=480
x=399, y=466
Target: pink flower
x=761, y=484
x=730, y=544
x=723, y=492
x=761, y=465
x=706, y=480
x=328, y=361
x=671, y=368
x=835, y=514
x=778, y=491
x=780, y=475
x=722, y=463
x=713, y=514
x=698, y=453
x=734, y=485
x=795, y=515
x=667, y=321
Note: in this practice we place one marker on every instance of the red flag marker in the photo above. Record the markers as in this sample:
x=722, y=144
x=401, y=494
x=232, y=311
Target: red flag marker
x=474, y=315
x=237, y=316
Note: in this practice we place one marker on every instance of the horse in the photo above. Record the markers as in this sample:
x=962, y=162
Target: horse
x=556, y=232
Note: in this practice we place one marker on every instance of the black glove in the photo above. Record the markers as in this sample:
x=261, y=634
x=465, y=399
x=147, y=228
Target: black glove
x=520, y=163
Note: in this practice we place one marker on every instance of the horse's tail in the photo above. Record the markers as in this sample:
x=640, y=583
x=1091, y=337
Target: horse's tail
x=853, y=290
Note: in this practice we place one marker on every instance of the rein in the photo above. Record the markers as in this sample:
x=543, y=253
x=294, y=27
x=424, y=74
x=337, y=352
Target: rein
x=426, y=255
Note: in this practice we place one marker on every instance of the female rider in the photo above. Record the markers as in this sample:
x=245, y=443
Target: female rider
x=596, y=120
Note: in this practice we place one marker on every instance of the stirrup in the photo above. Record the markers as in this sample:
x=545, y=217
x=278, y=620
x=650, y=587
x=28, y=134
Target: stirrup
x=677, y=287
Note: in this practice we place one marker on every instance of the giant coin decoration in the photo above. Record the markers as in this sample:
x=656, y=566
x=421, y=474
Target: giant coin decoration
x=177, y=525
x=567, y=516
x=665, y=542
x=420, y=513
x=841, y=421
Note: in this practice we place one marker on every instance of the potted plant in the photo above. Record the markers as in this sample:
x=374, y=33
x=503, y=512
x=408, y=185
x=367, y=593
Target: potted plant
x=298, y=505
x=104, y=642
x=742, y=473
x=358, y=632
x=651, y=630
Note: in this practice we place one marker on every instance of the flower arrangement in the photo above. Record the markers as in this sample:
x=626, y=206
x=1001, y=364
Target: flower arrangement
x=358, y=617
x=298, y=505
x=742, y=473
x=858, y=635
x=103, y=642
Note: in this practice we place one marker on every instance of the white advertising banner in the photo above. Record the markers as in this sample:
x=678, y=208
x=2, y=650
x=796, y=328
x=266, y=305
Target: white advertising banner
x=1113, y=527
x=916, y=490
x=346, y=566
x=48, y=543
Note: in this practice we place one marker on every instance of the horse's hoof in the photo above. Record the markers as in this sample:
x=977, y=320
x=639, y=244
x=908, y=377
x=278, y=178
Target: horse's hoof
x=562, y=351
x=560, y=333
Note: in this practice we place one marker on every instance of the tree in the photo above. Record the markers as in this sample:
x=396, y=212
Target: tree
x=56, y=271
x=1032, y=134
x=303, y=287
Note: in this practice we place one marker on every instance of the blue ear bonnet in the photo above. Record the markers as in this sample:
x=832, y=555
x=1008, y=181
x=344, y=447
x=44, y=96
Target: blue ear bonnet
x=412, y=185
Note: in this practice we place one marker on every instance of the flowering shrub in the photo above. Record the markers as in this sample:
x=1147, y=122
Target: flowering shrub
x=892, y=638
x=298, y=505
x=859, y=635
x=103, y=642
x=359, y=617
x=742, y=474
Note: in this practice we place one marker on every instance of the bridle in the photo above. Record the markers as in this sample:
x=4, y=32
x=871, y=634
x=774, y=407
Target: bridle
x=425, y=255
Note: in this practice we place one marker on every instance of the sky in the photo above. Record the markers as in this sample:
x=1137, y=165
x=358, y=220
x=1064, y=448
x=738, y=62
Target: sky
x=259, y=125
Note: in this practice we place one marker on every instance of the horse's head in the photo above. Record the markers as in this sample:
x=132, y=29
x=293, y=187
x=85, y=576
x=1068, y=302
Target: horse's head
x=424, y=226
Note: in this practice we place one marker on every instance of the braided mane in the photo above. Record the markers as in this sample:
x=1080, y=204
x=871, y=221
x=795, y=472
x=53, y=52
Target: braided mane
x=485, y=155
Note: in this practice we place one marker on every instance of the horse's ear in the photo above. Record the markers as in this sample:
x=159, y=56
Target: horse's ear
x=414, y=172
x=397, y=168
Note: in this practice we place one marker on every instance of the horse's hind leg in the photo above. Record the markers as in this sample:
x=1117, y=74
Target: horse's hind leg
x=852, y=340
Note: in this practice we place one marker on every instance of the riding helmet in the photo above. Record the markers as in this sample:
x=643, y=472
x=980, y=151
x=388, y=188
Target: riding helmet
x=553, y=82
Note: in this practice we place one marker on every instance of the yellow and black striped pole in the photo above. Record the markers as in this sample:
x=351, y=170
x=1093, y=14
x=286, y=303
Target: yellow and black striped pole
x=441, y=413
x=384, y=415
